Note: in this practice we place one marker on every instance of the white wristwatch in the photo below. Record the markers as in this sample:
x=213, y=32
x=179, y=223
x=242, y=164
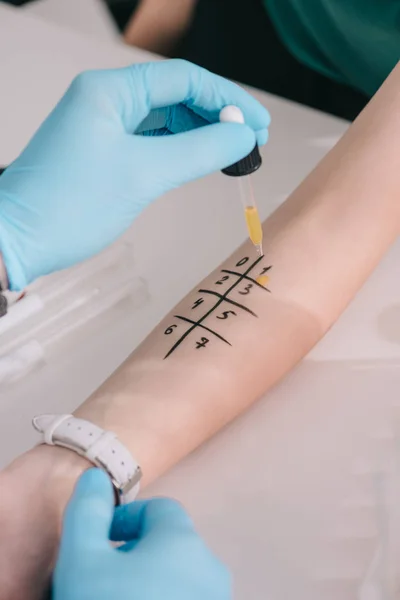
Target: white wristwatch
x=100, y=447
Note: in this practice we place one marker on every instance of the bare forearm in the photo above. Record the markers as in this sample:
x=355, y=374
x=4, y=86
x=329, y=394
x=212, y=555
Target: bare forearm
x=322, y=244
x=158, y=24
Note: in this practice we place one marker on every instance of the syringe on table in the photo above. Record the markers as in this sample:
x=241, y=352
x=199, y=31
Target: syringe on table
x=242, y=170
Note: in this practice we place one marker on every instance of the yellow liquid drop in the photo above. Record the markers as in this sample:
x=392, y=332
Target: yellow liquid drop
x=263, y=280
x=253, y=225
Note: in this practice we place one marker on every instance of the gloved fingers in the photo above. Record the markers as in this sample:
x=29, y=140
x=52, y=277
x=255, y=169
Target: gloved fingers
x=179, y=118
x=164, y=514
x=186, y=156
x=89, y=514
x=176, y=81
x=127, y=521
x=129, y=94
x=140, y=88
x=173, y=119
x=142, y=518
x=262, y=137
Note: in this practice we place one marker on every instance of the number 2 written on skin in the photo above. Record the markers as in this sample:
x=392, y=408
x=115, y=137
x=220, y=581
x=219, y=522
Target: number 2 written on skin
x=224, y=307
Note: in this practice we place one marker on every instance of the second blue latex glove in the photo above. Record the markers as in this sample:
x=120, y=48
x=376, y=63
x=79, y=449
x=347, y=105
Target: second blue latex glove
x=87, y=173
x=163, y=557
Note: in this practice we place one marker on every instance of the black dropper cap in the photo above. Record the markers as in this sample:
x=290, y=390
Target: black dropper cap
x=249, y=164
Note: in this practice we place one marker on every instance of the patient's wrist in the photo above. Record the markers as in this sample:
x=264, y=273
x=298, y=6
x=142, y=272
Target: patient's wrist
x=60, y=469
x=48, y=472
x=35, y=489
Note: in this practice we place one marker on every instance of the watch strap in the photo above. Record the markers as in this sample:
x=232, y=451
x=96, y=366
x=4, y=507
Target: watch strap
x=100, y=447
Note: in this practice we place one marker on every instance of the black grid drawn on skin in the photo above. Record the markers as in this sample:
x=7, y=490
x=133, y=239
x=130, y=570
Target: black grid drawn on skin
x=221, y=298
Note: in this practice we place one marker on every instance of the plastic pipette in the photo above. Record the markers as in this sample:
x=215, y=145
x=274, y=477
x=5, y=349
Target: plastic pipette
x=242, y=170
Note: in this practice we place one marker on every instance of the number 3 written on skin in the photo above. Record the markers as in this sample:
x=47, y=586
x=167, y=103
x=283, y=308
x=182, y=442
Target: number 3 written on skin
x=247, y=285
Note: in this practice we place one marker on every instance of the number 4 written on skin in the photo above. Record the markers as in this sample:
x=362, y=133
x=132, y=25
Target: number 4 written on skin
x=245, y=285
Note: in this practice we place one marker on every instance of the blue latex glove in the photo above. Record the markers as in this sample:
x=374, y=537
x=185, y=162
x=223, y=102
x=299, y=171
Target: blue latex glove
x=162, y=559
x=84, y=176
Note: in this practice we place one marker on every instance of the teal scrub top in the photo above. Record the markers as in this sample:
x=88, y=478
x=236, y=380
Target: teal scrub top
x=356, y=42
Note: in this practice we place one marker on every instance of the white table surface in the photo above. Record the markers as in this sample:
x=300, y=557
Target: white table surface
x=297, y=494
x=86, y=16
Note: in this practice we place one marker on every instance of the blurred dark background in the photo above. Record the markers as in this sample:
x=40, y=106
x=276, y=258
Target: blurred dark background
x=242, y=44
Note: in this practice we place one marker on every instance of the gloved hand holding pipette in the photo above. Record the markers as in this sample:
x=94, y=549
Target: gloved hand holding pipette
x=85, y=176
x=162, y=557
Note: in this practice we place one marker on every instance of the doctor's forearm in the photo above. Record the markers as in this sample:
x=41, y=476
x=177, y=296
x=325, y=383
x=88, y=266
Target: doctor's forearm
x=156, y=25
x=321, y=245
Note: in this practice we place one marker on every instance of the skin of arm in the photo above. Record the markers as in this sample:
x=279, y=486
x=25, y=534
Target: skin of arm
x=321, y=244
x=157, y=25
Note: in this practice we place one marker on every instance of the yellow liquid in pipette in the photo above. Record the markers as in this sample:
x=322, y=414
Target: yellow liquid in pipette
x=253, y=225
